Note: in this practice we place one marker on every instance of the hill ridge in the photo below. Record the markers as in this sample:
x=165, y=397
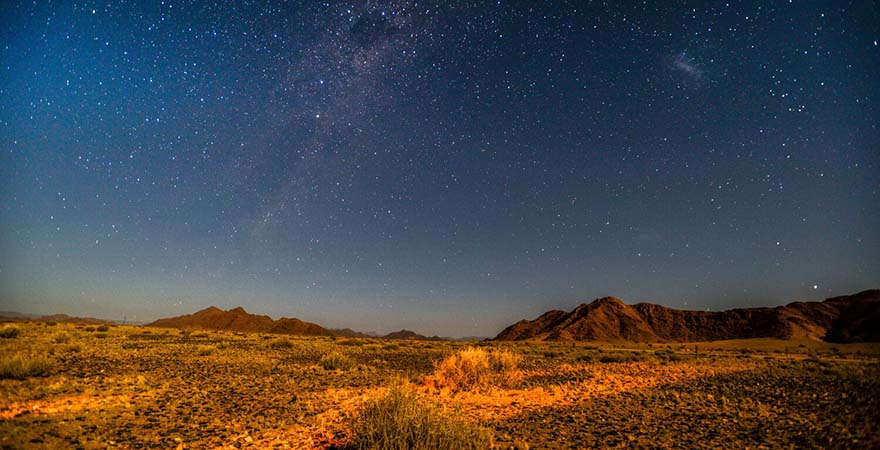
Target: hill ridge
x=848, y=318
x=237, y=319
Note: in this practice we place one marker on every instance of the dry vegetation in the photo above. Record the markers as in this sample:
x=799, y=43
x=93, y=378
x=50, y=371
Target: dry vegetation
x=77, y=386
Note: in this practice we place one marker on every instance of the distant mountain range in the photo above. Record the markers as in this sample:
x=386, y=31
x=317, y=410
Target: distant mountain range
x=853, y=318
x=52, y=318
x=237, y=319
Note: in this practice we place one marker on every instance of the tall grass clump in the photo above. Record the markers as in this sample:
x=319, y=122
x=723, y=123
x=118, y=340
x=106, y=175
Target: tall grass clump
x=401, y=420
x=477, y=368
x=9, y=332
x=336, y=361
x=18, y=367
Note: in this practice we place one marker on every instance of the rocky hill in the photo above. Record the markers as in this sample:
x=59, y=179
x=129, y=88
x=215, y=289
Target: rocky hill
x=408, y=335
x=237, y=319
x=853, y=318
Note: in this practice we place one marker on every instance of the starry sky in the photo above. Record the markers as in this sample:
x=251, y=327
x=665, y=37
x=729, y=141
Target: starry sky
x=447, y=167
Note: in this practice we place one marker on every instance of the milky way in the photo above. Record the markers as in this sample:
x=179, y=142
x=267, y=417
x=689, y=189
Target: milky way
x=448, y=167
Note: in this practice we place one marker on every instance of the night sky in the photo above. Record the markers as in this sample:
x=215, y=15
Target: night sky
x=443, y=167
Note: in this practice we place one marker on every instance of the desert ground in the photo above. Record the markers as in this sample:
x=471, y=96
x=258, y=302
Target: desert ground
x=89, y=386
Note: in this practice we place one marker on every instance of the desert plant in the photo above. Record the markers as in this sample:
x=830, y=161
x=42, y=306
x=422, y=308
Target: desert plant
x=102, y=328
x=614, y=358
x=474, y=368
x=205, y=350
x=19, y=367
x=9, y=332
x=281, y=343
x=402, y=420
x=61, y=338
x=336, y=361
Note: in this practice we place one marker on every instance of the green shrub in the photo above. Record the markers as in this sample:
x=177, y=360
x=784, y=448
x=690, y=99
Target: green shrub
x=9, y=332
x=336, y=361
x=401, y=420
x=20, y=367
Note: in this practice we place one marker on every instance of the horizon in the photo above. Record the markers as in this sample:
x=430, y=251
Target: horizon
x=380, y=332
x=444, y=167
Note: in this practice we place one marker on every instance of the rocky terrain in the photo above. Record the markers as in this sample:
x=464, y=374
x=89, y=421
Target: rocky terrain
x=142, y=387
x=854, y=318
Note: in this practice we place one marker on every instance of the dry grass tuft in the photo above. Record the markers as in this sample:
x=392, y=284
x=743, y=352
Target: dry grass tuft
x=475, y=368
x=336, y=361
x=401, y=420
x=20, y=367
x=281, y=343
x=205, y=350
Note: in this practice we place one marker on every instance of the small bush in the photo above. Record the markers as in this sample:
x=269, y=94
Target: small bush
x=586, y=357
x=281, y=343
x=21, y=367
x=352, y=342
x=401, y=420
x=336, y=361
x=101, y=335
x=474, y=368
x=73, y=348
x=9, y=332
x=103, y=328
x=89, y=329
x=205, y=350
x=613, y=358
x=61, y=338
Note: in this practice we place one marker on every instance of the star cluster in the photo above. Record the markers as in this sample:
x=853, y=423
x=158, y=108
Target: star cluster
x=448, y=167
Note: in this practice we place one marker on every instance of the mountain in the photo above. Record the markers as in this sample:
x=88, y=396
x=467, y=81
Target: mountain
x=408, y=335
x=11, y=315
x=237, y=319
x=72, y=319
x=853, y=318
x=349, y=333
x=17, y=315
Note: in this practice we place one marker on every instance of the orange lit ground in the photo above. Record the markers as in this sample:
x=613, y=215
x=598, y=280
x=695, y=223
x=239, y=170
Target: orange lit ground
x=151, y=388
